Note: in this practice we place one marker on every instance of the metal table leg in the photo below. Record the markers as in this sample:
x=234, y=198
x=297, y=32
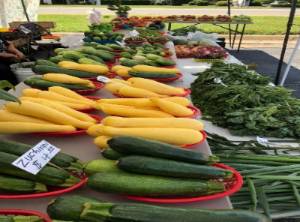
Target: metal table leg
x=169, y=26
x=229, y=29
x=234, y=36
x=241, y=38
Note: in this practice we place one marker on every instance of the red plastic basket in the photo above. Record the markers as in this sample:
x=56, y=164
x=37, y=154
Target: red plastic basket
x=186, y=93
x=98, y=86
x=232, y=186
x=70, y=133
x=25, y=213
x=196, y=112
x=53, y=191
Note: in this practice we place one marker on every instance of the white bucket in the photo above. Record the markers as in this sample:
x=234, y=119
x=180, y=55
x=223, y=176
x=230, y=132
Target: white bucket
x=22, y=70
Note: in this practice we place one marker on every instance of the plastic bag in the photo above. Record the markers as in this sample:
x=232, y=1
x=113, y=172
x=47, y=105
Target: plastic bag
x=94, y=17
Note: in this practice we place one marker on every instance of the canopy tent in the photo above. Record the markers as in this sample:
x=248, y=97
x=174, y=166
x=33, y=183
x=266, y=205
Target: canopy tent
x=12, y=10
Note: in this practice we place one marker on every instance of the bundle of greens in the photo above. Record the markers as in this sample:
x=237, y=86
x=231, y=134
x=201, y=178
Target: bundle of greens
x=271, y=181
x=244, y=102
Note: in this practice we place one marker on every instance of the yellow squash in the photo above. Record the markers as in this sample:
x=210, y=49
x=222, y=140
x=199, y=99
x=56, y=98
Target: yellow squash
x=76, y=106
x=31, y=92
x=172, y=108
x=120, y=81
x=46, y=113
x=179, y=100
x=113, y=87
x=99, y=69
x=123, y=72
x=29, y=127
x=101, y=142
x=177, y=136
x=129, y=111
x=155, y=86
x=69, y=93
x=96, y=130
x=64, y=78
x=132, y=92
x=146, y=69
x=186, y=123
x=118, y=67
x=6, y=116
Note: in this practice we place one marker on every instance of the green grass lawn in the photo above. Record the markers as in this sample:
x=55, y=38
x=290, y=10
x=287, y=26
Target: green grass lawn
x=263, y=25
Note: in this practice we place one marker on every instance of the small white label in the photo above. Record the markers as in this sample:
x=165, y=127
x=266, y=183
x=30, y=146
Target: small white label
x=120, y=43
x=37, y=157
x=262, y=141
x=103, y=79
x=219, y=81
x=133, y=33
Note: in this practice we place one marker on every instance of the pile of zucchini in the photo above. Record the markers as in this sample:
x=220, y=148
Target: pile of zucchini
x=80, y=208
x=148, y=168
x=55, y=174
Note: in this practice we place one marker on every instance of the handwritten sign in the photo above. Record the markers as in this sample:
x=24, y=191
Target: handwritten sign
x=103, y=79
x=37, y=157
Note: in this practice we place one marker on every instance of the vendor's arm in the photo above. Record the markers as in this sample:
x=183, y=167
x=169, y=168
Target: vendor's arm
x=7, y=56
x=12, y=49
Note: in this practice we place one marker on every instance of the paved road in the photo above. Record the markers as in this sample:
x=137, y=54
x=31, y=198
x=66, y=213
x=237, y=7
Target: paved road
x=169, y=11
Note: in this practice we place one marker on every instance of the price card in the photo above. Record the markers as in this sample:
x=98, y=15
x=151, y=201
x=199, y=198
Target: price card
x=103, y=79
x=37, y=157
x=262, y=141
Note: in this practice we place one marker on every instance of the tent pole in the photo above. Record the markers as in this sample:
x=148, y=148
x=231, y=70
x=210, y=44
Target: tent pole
x=285, y=41
x=25, y=11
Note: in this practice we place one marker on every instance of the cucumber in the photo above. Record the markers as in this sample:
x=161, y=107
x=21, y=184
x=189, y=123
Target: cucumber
x=111, y=154
x=106, y=56
x=16, y=185
x=170, y=168
x=129, y=62
x=154, y=186
x=104, y=47
x=36, y=82
x=128, y=145
x=72, y=55
x=165, y=62
x=45, y=62
x=93, y=57
x=59, y=50
x=43, y=69
x=115, y=46
x=89, y=61
x=49, y=175
x=62, y=160
x=100, y=165
x=68, y=208
x=151, y=75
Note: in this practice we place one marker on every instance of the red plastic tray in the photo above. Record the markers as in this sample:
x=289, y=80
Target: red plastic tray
x=54, y=191
x=98, y=85
x=25, y=213
x=196, y=112
x=70, y=133
x=186, y=93
x=232, y=186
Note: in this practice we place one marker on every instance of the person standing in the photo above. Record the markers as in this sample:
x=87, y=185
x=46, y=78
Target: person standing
x=8, y=54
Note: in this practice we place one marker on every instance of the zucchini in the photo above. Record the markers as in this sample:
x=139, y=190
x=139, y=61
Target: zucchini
x=59, y=50
x=68, y=208
x=16, y=185
x=45, y=62
x=154, y=186
x=165, y=62
x=20, y=218
x=43, y=69
x=115, y=46
x=88, y=61
x=151, y=75
x=111, y=154
x=62, y=160
x=170, y=168
x=55, y=59
x=49, y=175
x=36, y=82
x=100, y=165
x=128, y=145
x=104, y=47
x=79, y=208
x=4, y=95
x=72, y=55
x=106, y=56
x=128, y=62
x=95, y=58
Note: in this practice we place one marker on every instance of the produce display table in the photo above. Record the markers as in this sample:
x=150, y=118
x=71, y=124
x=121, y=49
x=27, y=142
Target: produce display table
x=233, y=28
x=84, y=148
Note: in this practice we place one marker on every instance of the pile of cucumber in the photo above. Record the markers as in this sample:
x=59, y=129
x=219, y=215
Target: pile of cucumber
x=20, y=218
x=55, y=174
x=80, y=208
x=149, y=168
